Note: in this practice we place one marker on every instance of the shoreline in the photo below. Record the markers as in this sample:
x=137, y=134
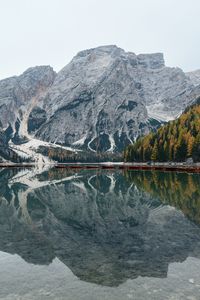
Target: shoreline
x=176, y=167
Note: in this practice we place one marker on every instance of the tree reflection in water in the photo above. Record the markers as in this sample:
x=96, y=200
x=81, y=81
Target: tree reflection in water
x=106, y=227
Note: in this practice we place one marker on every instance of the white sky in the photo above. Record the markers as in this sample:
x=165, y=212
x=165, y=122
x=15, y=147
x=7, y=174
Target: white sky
x=51, y=32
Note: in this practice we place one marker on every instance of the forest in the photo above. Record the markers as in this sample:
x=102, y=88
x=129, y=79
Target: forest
x=176, y=141
x=62, y=155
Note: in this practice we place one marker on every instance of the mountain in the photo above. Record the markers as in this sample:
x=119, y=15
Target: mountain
x=101, y=101
x=176, y=141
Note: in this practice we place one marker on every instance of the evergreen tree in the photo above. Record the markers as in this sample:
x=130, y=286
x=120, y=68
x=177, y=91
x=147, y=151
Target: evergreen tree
x=154, y=154
x=175, y=141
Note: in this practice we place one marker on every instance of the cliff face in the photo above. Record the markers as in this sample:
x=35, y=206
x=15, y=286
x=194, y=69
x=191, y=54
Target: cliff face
x=17, y=94
x=194, y=77
x=101, y=101
x=106, y=97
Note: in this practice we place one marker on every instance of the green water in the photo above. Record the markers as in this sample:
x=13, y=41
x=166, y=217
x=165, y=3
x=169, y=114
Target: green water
x=66, y=234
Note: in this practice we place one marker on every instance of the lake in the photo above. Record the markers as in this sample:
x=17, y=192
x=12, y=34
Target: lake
x=99, y=234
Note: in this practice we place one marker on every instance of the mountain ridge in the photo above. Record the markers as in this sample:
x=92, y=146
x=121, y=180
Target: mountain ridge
x=101, y=101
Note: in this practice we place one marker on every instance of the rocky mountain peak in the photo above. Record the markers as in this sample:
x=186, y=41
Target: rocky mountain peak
x=106, y=97
x=19, y=92
x=36, y=78
x=45, y=74
x=112, y=50
x=101, y=101
x=88, y=66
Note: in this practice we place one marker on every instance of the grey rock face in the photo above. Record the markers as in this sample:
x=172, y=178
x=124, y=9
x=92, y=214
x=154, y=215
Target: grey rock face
x=106, y=97
x=17, y=93
x=36, y=118
x=96, y=101
x=194, y=77
x=101, y=101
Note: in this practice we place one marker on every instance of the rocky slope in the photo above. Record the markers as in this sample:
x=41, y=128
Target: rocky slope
x=22, y=92
x=194, y=77
x=101, y=101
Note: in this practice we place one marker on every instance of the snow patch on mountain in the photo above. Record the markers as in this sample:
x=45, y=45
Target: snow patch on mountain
x=29, y=151
x=89, y=143
x=156, y=112
x=112, y=143
x=80, y=142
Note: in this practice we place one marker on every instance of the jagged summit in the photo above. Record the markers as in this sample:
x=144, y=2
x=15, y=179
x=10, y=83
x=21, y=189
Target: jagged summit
x=38, y=70
x=106, y=97
x=112, y=52
x=109, y=49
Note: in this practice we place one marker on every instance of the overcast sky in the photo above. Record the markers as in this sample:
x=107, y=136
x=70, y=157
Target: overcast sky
x=51, y=32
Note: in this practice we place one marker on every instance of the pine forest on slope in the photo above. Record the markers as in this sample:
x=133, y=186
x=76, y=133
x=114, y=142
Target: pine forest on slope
x=175, y=141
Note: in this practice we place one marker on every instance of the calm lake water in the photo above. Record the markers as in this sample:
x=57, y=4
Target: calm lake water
x=95, y=235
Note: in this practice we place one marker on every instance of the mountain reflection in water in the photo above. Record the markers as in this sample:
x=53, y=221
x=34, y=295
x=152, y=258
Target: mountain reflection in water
x=107, y=227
